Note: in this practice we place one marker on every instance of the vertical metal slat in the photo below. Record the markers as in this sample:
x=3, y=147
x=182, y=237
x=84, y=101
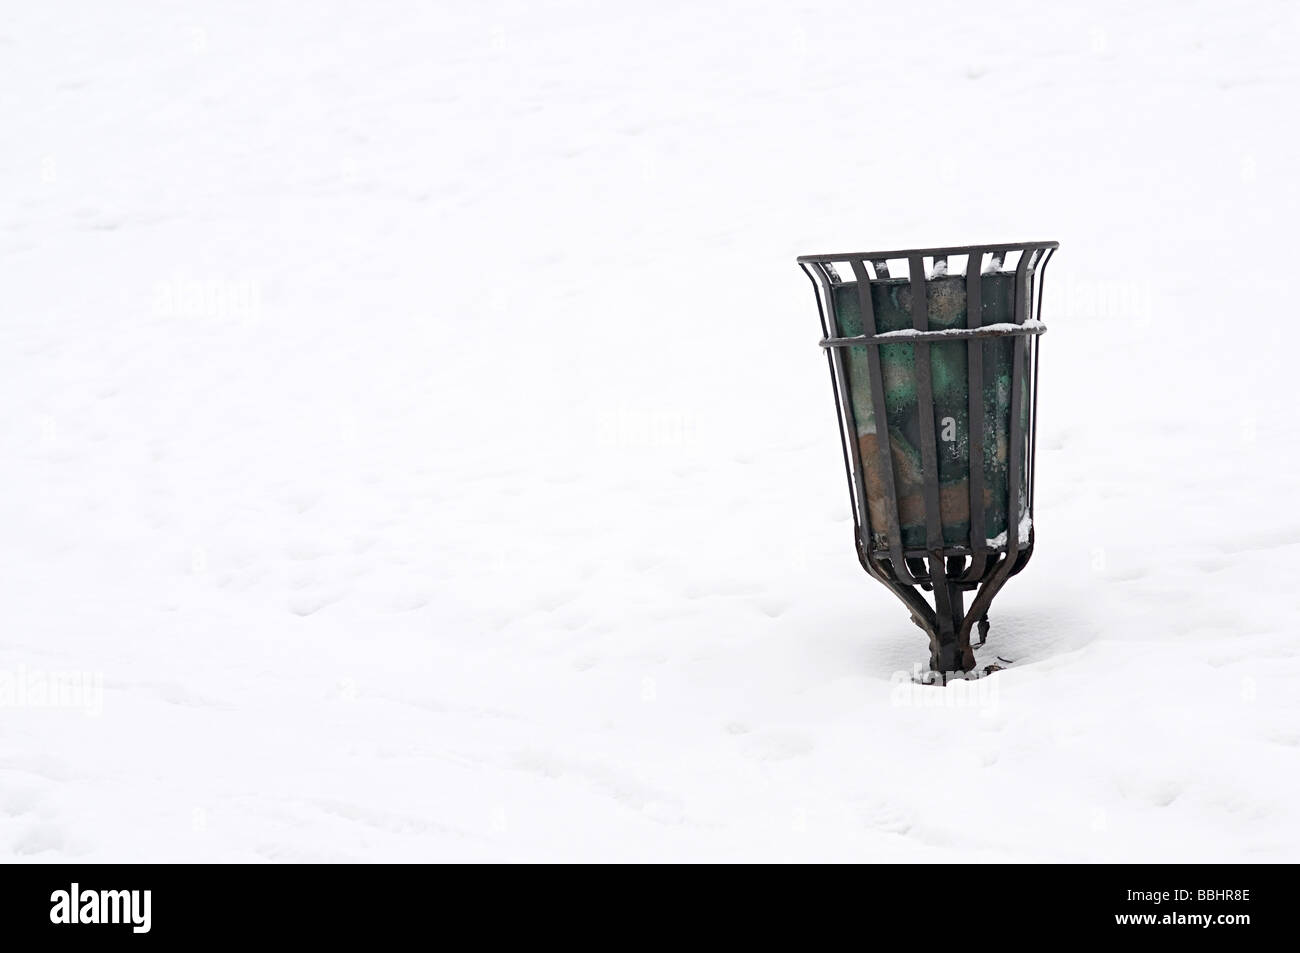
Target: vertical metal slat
x=975, y=410
x=929, y=453
x=890, y=503
x=844, y=414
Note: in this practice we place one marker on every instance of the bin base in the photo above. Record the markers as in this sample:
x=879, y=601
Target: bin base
x=940, y=679
x=948, y=623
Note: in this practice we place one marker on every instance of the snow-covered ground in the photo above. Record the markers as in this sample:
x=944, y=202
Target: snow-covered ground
x=414, y=428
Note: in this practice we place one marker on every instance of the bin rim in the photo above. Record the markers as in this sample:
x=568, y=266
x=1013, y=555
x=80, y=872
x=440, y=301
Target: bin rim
x=910, y=252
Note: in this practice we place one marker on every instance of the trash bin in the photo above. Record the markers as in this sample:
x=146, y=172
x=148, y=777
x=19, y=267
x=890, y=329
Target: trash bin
x=933, y=355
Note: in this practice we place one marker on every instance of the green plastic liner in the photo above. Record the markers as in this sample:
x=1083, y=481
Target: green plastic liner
x=892, y=302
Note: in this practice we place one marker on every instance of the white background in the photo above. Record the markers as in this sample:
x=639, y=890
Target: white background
x=414, y=415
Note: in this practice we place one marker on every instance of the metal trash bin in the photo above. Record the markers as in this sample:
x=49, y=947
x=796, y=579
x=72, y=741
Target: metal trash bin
x=945, y=341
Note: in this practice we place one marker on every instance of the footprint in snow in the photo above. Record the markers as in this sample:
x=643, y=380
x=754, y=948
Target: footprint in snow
x=38, y=839
x=781, y=747
x=309, y=603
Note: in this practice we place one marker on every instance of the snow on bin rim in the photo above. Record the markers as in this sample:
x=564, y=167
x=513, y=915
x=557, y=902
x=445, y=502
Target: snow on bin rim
x=1032, y=326
x=922, y=252
x=990, y=330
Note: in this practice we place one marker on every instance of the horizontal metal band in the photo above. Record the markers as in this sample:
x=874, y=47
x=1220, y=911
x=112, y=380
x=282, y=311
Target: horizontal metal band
x=924, y=252
x=907, y=335
x=949, y=549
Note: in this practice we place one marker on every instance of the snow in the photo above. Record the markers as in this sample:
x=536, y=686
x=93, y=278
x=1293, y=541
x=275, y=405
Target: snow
x=1032, y=324
x=415, y=427
x=1022, y=533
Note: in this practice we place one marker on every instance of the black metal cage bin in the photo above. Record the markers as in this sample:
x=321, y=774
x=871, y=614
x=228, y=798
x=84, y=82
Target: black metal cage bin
x=933, y=355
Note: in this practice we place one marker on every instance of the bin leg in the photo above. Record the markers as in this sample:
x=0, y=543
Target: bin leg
x=979, y=609
x=950, y=649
